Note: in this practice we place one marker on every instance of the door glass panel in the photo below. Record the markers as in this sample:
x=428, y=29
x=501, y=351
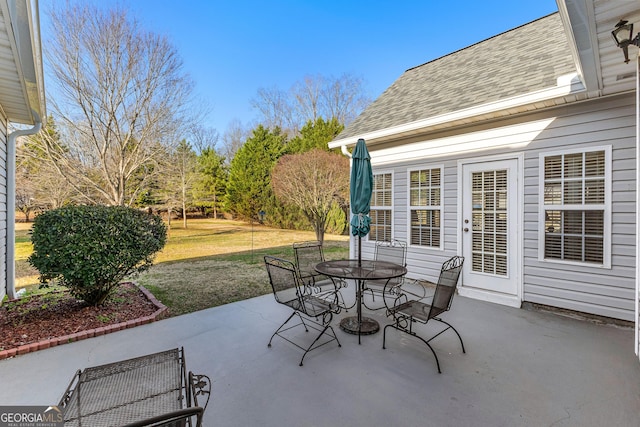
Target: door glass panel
x=489, y=222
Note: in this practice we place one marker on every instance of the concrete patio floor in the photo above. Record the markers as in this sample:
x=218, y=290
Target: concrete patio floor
x=522, y=368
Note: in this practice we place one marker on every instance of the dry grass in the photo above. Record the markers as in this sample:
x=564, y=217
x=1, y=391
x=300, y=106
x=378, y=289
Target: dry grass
x=212, y=262
x=26, y=275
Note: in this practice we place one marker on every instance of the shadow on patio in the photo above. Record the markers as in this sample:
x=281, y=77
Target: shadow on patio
x=522, y=368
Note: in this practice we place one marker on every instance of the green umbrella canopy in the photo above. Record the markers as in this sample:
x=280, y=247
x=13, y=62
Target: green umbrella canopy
x=361, y=187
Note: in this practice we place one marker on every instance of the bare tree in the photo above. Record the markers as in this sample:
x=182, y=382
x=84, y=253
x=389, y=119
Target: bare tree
x=204, y=138
x=25, y=194
x=177, y=177
x=39, y=186
x=342, y=98
x=307, y=95
x=275, y=108
x=233, y=138
x=123, y=99
x=315, y=181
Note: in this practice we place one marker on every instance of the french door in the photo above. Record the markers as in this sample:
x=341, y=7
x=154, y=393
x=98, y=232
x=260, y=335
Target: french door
x=490, y=234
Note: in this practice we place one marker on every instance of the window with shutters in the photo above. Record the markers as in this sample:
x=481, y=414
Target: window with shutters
x=381, y=207
x=575, y=205
x=425, y=207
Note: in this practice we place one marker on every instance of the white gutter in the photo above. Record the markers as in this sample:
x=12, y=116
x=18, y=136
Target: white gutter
x=11, y=202
x=569, y=84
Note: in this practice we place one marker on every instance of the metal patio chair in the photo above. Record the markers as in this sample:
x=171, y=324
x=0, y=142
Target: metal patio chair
x=413, y=307
x=394, y=251
x=308, y=255
x=314, y=312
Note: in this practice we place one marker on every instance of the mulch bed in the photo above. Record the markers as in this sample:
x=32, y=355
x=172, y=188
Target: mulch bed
x=57, y=317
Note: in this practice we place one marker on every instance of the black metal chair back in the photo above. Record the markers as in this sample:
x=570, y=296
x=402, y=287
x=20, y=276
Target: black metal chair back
x=284, y=282
x=308, y=255
x=289, y=290
x=413, y=306
x=446, y=286
x=394, y=251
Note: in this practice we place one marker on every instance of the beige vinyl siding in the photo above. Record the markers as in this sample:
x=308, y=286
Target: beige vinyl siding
x=3, y=206
x=575, y=286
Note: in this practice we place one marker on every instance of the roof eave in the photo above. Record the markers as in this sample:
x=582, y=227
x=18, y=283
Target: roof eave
x=567, y=88
x=578, y=20
x=24, y=36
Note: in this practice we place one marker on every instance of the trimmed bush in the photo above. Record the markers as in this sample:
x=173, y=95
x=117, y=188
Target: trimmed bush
x=90, y=249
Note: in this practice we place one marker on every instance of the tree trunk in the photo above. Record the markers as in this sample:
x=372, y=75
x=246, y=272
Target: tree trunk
x=184, y=214
x=215, y=204
x=319, y=229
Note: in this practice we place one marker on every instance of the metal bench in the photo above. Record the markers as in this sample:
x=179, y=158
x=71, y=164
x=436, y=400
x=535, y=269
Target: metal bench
x=152, y=390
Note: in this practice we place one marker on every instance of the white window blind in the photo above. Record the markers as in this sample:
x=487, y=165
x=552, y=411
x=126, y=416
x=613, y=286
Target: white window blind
x=489, y=222
x=425, y=206
x=575, y=206
x=381, y=207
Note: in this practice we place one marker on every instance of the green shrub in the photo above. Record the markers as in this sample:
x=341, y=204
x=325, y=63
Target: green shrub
x=90, y=249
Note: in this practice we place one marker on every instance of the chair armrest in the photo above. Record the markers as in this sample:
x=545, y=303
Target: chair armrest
x=199, y=385
x=171, y=418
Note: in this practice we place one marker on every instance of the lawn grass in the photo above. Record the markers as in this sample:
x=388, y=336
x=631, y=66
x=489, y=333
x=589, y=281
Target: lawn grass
x=212, y=262
x=26, y=275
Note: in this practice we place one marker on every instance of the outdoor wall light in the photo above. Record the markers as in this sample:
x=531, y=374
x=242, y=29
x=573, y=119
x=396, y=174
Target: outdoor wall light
x=623, y=35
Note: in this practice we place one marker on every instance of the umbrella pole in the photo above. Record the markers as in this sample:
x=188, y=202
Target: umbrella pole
x=359, y=251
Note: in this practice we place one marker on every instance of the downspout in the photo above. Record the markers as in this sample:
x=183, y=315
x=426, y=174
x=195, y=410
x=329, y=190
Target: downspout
x=636, y=334
x=345, y=151
x=11, y=202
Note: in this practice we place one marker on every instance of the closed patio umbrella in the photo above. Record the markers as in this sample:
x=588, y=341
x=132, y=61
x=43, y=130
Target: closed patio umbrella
x=361, y=187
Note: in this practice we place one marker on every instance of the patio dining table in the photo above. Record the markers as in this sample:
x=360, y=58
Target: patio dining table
x=360, y=271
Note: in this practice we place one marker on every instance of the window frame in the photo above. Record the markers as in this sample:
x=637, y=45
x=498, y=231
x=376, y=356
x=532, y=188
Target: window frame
x=410, y=208
x=604, y=207
x=390, y=209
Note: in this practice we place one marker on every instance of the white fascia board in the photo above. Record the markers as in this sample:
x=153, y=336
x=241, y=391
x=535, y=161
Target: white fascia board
x=24, y=36
x=567, y=85
x=512, y=137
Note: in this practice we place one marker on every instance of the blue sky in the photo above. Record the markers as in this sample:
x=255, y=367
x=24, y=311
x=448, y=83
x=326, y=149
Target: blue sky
x=233, y=48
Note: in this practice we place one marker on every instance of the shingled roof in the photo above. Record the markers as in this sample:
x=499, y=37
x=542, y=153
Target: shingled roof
x=520, y=61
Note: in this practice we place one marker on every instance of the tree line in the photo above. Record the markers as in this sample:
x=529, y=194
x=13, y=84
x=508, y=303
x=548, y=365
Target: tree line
x=124, y=131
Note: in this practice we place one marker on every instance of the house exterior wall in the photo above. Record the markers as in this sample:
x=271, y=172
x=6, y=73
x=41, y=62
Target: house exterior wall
x=596, y=290
x=3, y=205
x=605, y=291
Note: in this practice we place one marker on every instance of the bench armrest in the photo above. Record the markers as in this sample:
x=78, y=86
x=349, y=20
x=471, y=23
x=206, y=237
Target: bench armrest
x=171, y=418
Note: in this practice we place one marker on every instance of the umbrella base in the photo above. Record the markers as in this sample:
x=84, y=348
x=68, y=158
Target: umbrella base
x=368, y=325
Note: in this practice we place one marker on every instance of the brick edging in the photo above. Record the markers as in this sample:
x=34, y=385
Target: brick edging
x=90, y=333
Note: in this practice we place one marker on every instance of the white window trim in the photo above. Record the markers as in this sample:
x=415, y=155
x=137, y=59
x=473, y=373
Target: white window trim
x=389, y=208
x=606, y=250
x=409, y=207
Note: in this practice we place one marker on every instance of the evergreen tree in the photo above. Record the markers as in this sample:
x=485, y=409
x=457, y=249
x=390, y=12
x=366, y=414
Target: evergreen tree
x=211, y=183
x=315, y=134
x=249, y=190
